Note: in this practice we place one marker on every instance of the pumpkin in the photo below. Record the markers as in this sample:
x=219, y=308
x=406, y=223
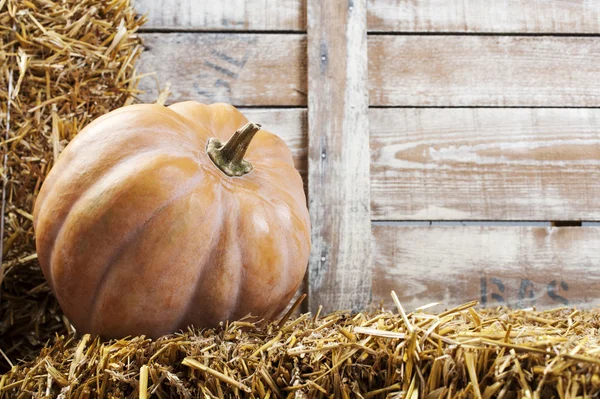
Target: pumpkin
x=156, y=218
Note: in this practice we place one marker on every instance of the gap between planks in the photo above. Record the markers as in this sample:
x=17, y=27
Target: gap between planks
x=183, y=29
x=485, y=34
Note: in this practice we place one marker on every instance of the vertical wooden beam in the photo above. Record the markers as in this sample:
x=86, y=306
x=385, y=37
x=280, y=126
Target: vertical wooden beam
x=338, y=153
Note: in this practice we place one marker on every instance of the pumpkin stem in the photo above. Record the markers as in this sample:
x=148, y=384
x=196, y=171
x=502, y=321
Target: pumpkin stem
x=229, y=157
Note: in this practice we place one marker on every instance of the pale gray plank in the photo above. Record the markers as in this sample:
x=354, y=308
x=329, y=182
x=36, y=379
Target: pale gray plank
x=289, y=15
x=485, y=164
x=241, y=69
x=270, y=69
x=515, y=16
x=338, y=152
x=484, y=71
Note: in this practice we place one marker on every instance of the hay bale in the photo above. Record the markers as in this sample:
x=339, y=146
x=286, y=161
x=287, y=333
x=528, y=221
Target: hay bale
x=63, y=63
x=457, y=353
x=66, y=62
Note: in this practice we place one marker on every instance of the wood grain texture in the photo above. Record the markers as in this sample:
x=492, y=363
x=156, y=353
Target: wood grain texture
x=241, y=69
x=515, y=266
x=485, y=164
x=289, y=15
x=484, y=71
x=338, y=152
x=270, y=69
x=515, y=16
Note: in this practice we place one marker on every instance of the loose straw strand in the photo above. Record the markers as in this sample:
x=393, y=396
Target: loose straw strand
x=5, y=175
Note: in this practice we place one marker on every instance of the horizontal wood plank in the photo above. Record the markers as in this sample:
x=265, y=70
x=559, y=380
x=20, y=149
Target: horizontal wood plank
x=241, y=69
x=514, y=16
x=270, y=69
x=289, y=15
x=510, y=16
x=514, y=266
x=485, y=164
x=484, y=71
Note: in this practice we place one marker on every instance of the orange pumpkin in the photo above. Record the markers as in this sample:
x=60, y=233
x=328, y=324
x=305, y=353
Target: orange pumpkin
x=148, y=223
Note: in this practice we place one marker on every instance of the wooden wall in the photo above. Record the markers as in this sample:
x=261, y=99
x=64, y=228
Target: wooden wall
x=451, y=148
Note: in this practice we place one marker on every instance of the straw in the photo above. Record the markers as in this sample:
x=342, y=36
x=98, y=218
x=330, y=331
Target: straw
x=553, y=353
x=63, y=63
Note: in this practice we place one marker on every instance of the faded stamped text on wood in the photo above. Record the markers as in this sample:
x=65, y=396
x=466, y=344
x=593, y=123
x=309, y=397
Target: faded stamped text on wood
x=500, y=265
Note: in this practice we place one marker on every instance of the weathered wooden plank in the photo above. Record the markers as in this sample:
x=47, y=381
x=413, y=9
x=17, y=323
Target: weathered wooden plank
x=515, y=266
x=485, y=164
x=338, y=152
x=516, y=16
x=241, y=69
x=267, y=69
x=484, y=71
x=288, y=15
x=289, y=124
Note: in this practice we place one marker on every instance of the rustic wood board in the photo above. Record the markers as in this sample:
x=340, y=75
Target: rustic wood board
x=485, y=164
x=270, y=69
x=514, y=16
x=515, y=266
x=242, y=15
x=241, y=69
x=484, y=71
x=338, y=152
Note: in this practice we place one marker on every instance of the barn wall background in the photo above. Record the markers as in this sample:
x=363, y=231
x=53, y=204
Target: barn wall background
x=451, y=149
